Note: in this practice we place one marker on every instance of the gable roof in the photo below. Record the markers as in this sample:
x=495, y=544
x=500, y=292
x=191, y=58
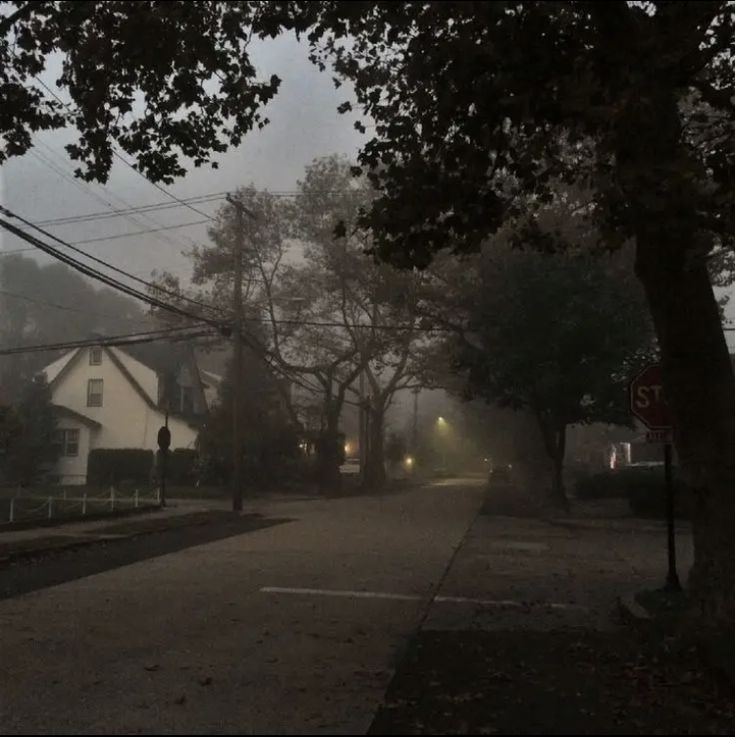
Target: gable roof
x=63, y=411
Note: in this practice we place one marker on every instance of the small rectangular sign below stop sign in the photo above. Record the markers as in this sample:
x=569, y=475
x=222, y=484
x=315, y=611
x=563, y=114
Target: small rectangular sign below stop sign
x=647, y=401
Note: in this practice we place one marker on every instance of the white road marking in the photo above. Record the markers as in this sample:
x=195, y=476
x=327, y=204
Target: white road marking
x=509, y=603
x=347, y=594
x=343, y=594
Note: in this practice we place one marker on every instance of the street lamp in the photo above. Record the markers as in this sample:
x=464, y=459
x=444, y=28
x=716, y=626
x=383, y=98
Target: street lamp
x=442, y=427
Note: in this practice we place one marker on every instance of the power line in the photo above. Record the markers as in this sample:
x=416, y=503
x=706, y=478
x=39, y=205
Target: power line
x=127, y=163
x=45, y=303
x=16, y=250
x=136, y=232
x=135, y=209
x=112, y=340
x=95, y=274
x=85, y=188
x=107, y=265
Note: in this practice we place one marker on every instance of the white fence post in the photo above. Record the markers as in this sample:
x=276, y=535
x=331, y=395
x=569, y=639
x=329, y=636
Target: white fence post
x=12, y=509
x=84, y=503
x=112, y=498
x=50, y=507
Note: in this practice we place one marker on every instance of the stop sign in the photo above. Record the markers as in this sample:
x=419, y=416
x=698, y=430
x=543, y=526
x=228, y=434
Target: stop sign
x=647, y=399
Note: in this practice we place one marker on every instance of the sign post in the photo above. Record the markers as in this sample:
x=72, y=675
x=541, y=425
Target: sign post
x=164, y=443
x=648, y=404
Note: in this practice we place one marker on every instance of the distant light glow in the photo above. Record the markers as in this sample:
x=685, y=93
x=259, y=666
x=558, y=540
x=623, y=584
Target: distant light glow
x=409, y=461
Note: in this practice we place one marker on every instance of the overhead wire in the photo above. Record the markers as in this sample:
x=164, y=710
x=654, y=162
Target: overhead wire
x=20, y=233
x=174, y=333
x=104, y=278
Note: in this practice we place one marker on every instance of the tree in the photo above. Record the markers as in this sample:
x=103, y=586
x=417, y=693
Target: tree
x=50, y=304
x=270, y=438
x=476, y=103
x=472, y=104
x=557, y=335
x=162, y=81
x=372, y=306
x=31, y=447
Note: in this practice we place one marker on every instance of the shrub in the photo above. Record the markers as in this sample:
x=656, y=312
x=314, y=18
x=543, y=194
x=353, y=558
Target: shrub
x=643, y=488
x=182, y=467
x=116, y=466
x=605, y=485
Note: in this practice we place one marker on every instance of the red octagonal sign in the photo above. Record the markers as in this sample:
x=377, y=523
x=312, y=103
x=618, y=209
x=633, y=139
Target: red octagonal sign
x=647, y=399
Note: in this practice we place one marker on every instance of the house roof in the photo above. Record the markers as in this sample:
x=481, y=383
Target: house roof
x=63, y=411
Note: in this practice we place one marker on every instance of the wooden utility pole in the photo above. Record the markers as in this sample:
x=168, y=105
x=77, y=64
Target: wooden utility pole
x=237, y=251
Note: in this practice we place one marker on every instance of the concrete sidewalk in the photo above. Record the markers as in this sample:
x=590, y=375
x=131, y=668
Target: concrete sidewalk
x=521, y=573
x=291, y=629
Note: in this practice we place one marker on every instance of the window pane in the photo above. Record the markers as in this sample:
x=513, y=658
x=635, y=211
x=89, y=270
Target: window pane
x=94, y=393
x=72, y=442
x=95, y=356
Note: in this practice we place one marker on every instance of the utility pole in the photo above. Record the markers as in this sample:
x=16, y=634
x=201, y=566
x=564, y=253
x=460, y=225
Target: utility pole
x=415, y=428
x=362, y=435
x=237, y=251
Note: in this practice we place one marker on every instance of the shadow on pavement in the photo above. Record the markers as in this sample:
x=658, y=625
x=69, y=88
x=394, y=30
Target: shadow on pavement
x=77, y=558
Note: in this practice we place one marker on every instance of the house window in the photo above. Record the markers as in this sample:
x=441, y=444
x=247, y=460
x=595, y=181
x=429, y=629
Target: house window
x=67, y=442
x=94, y=393
x=95, y=356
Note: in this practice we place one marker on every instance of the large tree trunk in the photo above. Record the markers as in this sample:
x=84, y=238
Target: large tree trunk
x=328, y=455
x=698, y=383
x=558, y=490
x=374, y=477
x=662, y=184
x=555, y=440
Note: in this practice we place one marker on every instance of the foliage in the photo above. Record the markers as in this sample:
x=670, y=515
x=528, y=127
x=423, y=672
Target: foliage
x=558, y=334
x=270, y=439
x=182, y=466
x=113, y=466
x=163, y=81
x=50, y=304
x=29, y=435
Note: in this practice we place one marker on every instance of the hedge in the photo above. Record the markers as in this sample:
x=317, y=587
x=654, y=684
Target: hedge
x=118, y=465
x=642, y=487
x=182, y=466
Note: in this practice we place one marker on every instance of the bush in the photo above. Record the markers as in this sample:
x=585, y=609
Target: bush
x=182, y=467
x=605, y=485
x=642, y=487
x=115, y=466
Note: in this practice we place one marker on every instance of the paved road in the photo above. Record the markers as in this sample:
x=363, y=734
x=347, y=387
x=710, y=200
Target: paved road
x=254, y=633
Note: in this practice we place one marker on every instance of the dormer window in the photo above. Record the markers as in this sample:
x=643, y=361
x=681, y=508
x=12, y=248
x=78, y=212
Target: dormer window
x=95, y=356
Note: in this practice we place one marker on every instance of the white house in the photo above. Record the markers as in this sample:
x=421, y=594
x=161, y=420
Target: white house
x=106, y=398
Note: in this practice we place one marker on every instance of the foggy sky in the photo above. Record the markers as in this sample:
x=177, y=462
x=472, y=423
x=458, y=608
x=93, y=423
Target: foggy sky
x=304, y=125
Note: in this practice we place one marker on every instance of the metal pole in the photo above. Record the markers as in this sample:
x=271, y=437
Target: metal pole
x=12, y=509
x=237, y=360
x=361, y=440
x=415, y=429
x=164, y=469
x=84, y=503
x=672, y=577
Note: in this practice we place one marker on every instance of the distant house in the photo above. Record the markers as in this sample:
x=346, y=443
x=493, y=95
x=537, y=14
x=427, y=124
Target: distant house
x=106, y=398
